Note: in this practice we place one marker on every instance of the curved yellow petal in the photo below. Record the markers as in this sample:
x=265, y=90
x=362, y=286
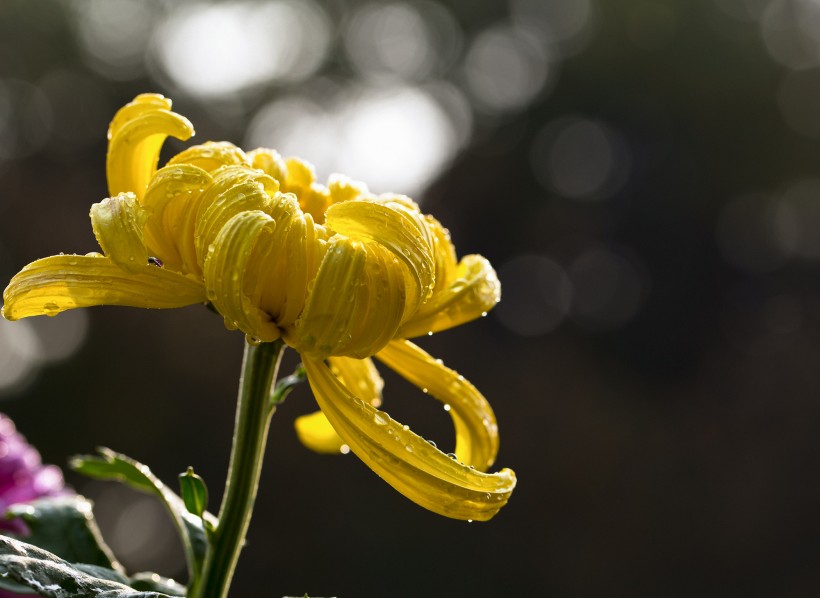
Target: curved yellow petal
x=360, y=376
x=472, y=293
x=225, y=271
x=444, y=254
x=133, y=150
x=118, y=224
x=270, y=162
x=316, y=433
x=326, y=322
x=395, y=229
x=378, y=305
x=54, y=284
x=244, y=197
x=403, y=459
x=343, y=188
x=300, y=179
x=172, y=193
x=474, y=420
x=211, y=155
x=142, y=104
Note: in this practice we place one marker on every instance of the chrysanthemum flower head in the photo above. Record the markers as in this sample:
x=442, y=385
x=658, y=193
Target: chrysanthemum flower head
x=339, y=273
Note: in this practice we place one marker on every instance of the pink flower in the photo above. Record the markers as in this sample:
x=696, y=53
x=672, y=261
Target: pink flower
x=23, y=477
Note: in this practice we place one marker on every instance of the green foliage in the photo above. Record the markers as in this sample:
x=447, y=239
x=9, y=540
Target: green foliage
x=52, y=577
x=192, y=528
x=194, y=492
x=66, y=527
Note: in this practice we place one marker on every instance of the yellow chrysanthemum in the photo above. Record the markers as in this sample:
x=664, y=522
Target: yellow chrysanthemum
x=339, y=273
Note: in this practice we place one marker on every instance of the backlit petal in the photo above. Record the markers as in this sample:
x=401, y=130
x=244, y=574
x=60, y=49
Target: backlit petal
x=118, y=224
x=225, y=271
x=54, y=284
x=472, y=293
x=403, y=459
x=474, y=420
x=211, y=155
x=270, y=162
x=134, y=145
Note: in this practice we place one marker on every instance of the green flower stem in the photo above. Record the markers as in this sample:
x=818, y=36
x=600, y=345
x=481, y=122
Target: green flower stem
x=253, y=413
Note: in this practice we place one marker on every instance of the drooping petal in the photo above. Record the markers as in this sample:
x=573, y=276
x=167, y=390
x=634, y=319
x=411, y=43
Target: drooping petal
x=474, y=420
x=316, y=433
x=136, y=137
x=225, y=271
x=472, y=293
x=361, y=377
x=54, y=284
x=118, y=224
x=403, y=459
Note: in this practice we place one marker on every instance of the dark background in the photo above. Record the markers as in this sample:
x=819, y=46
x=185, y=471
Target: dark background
x=645, y=177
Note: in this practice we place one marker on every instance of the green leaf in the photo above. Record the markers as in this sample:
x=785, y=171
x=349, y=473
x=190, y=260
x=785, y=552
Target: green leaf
x=115, y=466
x=194, y=492
x=52, y=577
x=151, y=582
x=65, y=526
x=283, y=387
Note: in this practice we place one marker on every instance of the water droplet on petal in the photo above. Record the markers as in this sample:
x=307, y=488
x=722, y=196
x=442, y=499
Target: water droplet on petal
x=446, y=407
x=155, y=261
x=379, y=420
x=344, y=449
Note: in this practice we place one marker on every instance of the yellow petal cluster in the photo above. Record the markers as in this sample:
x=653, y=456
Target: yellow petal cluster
x=339, y=273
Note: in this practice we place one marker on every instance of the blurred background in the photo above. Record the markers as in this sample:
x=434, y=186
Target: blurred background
x=643, y=174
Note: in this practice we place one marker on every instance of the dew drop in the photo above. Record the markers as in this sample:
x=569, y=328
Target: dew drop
x=252, y=340
x=433, y=444
x=469, y=521
x=408, y=448
x=344, y=449
x=51, y=309
x=379, y=420
x=429, y=333
x=155, y=261
x=483, y=314
x=446, y=407
x=424, y=390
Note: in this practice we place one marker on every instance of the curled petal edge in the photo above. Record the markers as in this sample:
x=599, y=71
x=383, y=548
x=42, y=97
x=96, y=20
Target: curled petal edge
x=406, y=461
x=473, y=418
